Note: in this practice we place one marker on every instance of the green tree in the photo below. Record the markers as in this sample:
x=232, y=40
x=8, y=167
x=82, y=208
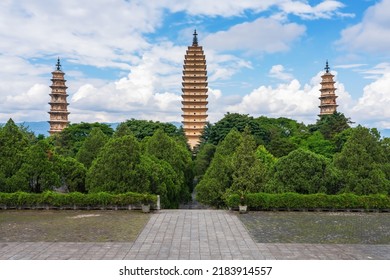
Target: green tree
x=220, y=129
x=163, y=147
x=115, y=168
x=362, y=163
x=38, y=172
x=91, y=147
x=13, y=144
x=218, y=177
x=319, y=145
x=72, y=174
x=142, y=128
x=248, y=172
x=69, y=141
x=303, y=172
x=330, y=125
x=203, y=159
x=160, y=178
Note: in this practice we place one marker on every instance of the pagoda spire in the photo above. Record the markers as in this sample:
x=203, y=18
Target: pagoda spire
x=195, y=39
x=194, y=97
x=328, y=97
x=58, y=104
x=58, y=65
x=327, y=68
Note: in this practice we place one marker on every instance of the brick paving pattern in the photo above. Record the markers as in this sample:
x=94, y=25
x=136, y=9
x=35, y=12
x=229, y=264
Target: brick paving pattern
x=191, y=234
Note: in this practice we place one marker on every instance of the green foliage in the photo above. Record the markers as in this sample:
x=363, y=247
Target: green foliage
x=91, y=146
x=248, y=172
x=363, y=163
x=220, y=129
x=69, y=141
x=49, y=198
x=294, y=201
x=165, y=148
x=13, y=144
x=218, y=177
x=141, y=128
x=282, y=132
x=319, y=145
x=160, y=178
x=37, y=172
x=72, y=174
x=114, y=170
x=303, y=172
x=330, y=125
x=203, y=159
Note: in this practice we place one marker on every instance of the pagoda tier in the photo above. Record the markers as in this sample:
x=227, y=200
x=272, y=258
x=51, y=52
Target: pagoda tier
x=328, y=97
x=194, y=93
x=58, y=104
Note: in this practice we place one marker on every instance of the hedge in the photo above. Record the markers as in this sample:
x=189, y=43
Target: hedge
x=295, y=201
x=50, y=198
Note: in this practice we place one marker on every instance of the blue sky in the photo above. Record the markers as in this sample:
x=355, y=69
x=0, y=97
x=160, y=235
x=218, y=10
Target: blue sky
x=123, y=59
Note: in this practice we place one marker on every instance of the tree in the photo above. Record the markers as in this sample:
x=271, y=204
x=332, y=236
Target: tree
x=203, y=159
x=330, y=125
x=362, y=162
x=38, y=172
x=220, y=129
x=142, y=128
x=72, y=174
x=13, y=144
x=163, y=147
x=160, y=178
x=91, y=147
x=69, y=141
x=218, y=177
x=303, y=172
x=248, y=173
x=319, y=145
x=115, y=168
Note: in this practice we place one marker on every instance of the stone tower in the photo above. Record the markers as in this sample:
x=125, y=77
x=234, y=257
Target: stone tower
x=194, y=93
x=58, y=104
x=328, y=97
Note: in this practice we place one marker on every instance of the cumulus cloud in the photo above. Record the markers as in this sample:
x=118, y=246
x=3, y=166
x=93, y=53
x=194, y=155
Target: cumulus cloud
x=373, y=106
x=372, y=34
x=291, y=100
x=229, y=8
x=278, y=72
x=264, y=35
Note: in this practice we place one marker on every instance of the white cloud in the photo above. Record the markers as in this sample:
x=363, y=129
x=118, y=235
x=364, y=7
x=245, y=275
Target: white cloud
x=291, y=100
x=264, y=35
x=372, y=107
x=278, y=72
x=229, y=8
x=325, y=9
x=372, y=34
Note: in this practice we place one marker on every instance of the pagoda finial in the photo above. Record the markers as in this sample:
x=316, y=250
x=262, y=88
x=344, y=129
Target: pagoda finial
x=327, y=68
x=195, y=40
x=58, y=65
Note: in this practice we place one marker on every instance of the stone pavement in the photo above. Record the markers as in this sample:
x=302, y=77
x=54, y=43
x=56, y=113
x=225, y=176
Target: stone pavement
x=191, y=234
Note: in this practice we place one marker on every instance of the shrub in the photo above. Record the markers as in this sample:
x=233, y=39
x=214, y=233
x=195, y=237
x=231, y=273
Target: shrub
x=267, y=201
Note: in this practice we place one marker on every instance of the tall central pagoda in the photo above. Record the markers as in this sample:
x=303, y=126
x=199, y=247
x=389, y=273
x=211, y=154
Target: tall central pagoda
x=58, y=104
x=328, y=97
x=194, y=93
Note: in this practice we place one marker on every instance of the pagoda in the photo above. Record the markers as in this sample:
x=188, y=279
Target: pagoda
x=58, y=104
x=328, y=97
x=194, y=93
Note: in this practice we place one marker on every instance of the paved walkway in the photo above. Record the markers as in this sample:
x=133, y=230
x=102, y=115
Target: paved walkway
x=191, y=234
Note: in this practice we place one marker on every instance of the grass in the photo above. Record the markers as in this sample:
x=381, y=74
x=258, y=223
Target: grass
x=70, y=226
x=318, y=227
